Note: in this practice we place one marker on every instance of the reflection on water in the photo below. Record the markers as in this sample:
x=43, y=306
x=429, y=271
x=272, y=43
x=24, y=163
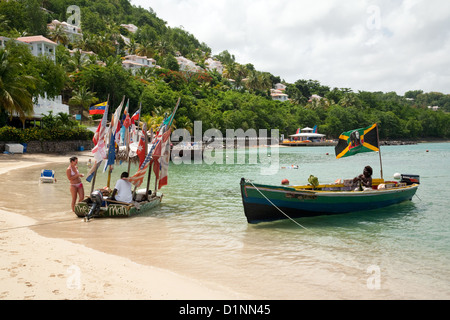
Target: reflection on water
x=200, y=229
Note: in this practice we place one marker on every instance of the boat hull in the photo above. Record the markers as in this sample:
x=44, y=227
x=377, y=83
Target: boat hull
x=117, y=210
x=264, y=203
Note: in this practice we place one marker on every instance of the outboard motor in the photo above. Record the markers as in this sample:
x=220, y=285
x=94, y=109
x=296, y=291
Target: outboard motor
x=410, y=179
x=97, y=199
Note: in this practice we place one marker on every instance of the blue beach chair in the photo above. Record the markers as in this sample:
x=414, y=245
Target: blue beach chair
x=47, y=176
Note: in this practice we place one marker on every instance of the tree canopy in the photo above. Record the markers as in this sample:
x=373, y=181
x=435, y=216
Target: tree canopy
x=237, y=98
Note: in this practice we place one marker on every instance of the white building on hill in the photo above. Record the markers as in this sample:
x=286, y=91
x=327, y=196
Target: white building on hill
x=214, y=65
x=39, y=45
x=134, y=62
x=278, y=93
x=187, y=65
x=73, y=32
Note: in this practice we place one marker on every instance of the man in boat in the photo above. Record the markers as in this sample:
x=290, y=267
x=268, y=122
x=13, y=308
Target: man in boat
x=122, y=190
x=364, y=181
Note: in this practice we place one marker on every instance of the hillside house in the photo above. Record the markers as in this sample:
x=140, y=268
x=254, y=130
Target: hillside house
x=278, y=93
x=214, y=65
x=40, y=45
x=134, y=62
x=187, y=65
x=73, y=32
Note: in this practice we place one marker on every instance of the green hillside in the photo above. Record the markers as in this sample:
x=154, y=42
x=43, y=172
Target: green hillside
x=207, y=96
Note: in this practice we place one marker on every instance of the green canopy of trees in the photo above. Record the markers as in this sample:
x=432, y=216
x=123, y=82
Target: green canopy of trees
x=237, y=98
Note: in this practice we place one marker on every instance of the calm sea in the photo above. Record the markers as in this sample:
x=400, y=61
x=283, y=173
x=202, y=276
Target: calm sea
x=400, y=252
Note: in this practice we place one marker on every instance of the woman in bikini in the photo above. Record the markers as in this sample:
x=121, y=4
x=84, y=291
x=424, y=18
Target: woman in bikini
x=76, y=187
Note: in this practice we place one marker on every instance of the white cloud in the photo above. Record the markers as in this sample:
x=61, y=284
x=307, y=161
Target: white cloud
x=376, y=45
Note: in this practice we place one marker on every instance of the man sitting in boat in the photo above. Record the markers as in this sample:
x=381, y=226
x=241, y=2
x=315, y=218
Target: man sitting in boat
x=364, y=181
x=122, y=190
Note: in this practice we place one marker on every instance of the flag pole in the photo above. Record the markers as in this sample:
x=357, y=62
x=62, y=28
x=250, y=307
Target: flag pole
x=95, y=174
x=379, y=153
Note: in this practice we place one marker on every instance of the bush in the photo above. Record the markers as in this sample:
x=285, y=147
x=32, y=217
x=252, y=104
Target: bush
x=46, y=134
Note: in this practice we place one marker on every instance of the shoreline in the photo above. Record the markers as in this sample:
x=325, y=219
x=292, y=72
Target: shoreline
x=34, y=267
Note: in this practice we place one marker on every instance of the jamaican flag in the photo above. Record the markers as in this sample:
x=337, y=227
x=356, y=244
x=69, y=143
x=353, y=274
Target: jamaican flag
x=357, y=141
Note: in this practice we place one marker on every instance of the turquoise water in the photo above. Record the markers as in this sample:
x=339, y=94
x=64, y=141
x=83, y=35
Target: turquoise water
x=399, y=252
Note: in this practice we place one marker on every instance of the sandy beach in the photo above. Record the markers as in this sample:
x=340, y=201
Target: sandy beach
x=61, y=270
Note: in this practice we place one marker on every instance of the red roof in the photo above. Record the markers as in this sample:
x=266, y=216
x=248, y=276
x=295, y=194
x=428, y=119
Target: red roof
x=36, y=39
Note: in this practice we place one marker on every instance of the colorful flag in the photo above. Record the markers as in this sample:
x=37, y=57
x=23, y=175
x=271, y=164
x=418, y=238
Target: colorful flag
x=93, y=170
x=138, y=177
x=298, y=131
x=98, y=108
x=99, y=151
x=111, y=153
x=136, y=116
x=115, y=119
x=357, y=141
x=315, y=129
x=142, y=147
x=168, y=121
x=156, y=156
x=101, y=129
x=164, y=160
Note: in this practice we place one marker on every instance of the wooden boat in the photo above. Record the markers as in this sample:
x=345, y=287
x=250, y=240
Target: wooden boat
x=99, y=205
x=269, y=203
x=114, y=208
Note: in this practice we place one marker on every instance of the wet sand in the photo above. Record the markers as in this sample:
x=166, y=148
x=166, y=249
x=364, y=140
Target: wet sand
x=33, y=267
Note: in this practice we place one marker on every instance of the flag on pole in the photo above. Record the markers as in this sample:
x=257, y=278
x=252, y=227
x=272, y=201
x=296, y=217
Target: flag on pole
x=357, y=141
x=115, y=119
x=136, y=116
x=91, y=172
x=127, y=120
x=168, y=121
x=111, y=153
x=98, y=108
x=101, y=129
x=142, y=147
x=138, y=177
x=164, y=160
x=156, y=156
x=99, y=150
x=115, y=122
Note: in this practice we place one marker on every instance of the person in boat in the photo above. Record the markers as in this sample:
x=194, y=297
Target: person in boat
x=76, y=186
x=364, y=181
x=122, y=190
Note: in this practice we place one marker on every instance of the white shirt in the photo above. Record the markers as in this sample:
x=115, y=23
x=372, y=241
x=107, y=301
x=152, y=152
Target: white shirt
x=123, y=191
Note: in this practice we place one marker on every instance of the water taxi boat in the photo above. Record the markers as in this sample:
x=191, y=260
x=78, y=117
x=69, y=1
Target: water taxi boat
x=264, y=203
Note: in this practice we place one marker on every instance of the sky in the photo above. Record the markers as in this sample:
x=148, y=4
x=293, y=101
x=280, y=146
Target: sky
x=364, y=45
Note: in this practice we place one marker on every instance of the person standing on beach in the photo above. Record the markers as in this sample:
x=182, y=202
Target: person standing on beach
x=76, y=186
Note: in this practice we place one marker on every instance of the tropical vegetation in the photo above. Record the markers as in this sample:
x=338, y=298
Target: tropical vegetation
x=237, y=98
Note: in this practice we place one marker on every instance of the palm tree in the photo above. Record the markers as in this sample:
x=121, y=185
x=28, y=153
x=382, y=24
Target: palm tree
x=59, y=35
x=4, y=23
x=14, y=94
x=131, y=46
x=78, y=61
x=83, y=99
x=145, y=49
